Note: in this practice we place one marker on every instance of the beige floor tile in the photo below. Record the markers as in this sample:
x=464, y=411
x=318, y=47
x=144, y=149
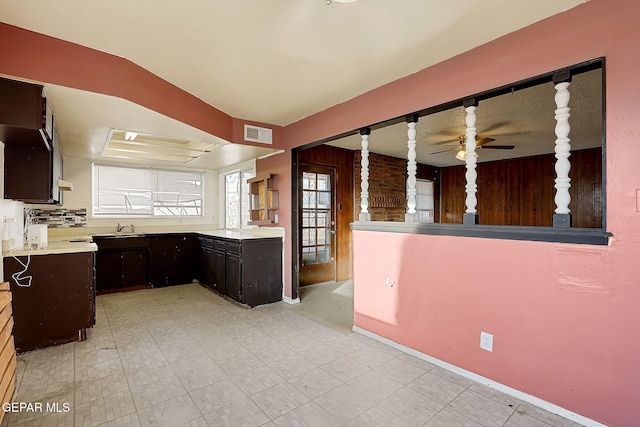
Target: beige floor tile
x=309, y=414
x=279, y=399
x=171, y=413
x=315, y=383
x=240, y=413
x=436, y=388
x=184, y=356
x=481, y=409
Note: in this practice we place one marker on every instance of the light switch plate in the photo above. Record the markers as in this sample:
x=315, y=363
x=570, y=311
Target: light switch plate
x=486, y=341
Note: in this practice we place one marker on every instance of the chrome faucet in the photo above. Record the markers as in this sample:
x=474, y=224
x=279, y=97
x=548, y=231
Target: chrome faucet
x=121, y=228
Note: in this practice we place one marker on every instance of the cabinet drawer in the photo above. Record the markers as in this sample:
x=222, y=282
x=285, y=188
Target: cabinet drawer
x=123, y=243
x=233, y=248
x=220, y=245
x=206, y=243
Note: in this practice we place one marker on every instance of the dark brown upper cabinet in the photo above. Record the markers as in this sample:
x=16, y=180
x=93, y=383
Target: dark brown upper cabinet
x=24, y=117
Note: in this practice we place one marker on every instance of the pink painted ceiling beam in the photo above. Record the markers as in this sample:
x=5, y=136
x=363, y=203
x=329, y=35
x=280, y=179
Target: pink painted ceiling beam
x=34, y=56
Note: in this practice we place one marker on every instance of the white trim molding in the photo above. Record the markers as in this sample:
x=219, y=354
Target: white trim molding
x=547, y=406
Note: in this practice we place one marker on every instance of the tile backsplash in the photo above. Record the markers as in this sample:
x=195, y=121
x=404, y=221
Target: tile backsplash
x=56, y=218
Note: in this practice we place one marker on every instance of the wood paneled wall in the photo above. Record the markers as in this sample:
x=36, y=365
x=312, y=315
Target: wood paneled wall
x=520, y=191
x=342, y=161
x=8, y=352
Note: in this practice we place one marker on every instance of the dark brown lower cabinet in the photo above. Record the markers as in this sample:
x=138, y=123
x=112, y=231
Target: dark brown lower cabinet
x=135, y=268
x=248, y=271
x=219, y=276
x=122, y=263
x=58, y=305
x=233, y=276
x=172, y=260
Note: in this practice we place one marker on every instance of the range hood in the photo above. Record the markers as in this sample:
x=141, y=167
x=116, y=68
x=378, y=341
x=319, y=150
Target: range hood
x=64, y=185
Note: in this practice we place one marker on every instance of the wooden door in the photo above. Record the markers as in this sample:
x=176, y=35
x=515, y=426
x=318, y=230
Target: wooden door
x=316, y=229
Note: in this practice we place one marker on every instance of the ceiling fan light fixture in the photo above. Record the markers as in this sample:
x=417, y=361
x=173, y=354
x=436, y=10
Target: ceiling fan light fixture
x=462, y=154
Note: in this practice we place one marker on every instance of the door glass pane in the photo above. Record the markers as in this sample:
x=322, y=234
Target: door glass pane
x=322, y=219
x=306, y=196
x=324, y=182
x=324, y=200
x=309, y=258
x=308, y=181
x=324, y=254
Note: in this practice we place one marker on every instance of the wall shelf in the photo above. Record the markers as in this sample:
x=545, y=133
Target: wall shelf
x=263, y=200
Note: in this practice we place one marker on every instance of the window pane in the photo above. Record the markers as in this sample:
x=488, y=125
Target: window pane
x=308, y=181
x=322, y=219
x=137, y=191
x=232, y=200
x=245, y=207
x=323, y=254
x=324, y=200
x=178, y=193
x=309, y=258
x=324, y=182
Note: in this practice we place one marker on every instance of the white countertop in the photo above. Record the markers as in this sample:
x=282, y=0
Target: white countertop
x=227, y=234
x=55, y=247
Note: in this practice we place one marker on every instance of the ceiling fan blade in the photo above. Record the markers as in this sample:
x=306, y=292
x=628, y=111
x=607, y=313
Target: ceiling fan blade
x=444, y=151
x=498, y=147
x=447, y=141
x=495, y=126
x=482, y=141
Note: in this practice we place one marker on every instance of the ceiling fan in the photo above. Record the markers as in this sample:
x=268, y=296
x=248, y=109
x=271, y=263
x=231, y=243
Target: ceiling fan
x=461, y=149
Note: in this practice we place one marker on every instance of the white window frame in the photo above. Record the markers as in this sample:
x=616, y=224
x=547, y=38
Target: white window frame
x=248, y=167
x=153, y=192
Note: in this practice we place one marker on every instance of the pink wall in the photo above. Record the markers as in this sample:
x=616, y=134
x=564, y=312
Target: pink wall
x=565, y=317
x=565, y=329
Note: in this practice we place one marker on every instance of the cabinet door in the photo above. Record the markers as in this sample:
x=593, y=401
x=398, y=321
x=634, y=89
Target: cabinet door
x=27, y=173
x=208, y=267
x=171, y=260
x=108, y=270
x=21, y=104
x=182, y=271
x=219, y=278
x=57, y=306
x=162, y=254
x=135, y=265
x=233, y=273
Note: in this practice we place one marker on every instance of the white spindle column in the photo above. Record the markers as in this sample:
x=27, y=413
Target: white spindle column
x=562, y=217
x=364, y=177
x=471, y=216
x=410, y=215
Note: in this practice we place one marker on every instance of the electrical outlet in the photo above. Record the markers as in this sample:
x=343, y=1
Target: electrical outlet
x=486, y=341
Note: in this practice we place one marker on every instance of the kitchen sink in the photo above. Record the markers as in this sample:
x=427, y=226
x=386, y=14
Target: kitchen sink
x=119, y=235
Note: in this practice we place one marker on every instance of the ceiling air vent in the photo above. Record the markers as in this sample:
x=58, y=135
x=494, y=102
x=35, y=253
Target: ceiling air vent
x=257, y=134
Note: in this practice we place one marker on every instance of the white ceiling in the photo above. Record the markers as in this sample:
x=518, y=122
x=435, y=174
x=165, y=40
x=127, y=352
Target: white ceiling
x=274, y=61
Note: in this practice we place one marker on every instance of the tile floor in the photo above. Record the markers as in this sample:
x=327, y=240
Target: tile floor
x=183, y=356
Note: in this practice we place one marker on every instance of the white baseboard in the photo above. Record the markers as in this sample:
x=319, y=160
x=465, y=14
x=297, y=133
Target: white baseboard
x=547, y=406
x=290, y=300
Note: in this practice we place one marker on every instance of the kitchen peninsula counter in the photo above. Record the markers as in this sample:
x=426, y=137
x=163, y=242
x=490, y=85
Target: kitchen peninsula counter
x=55, y=247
